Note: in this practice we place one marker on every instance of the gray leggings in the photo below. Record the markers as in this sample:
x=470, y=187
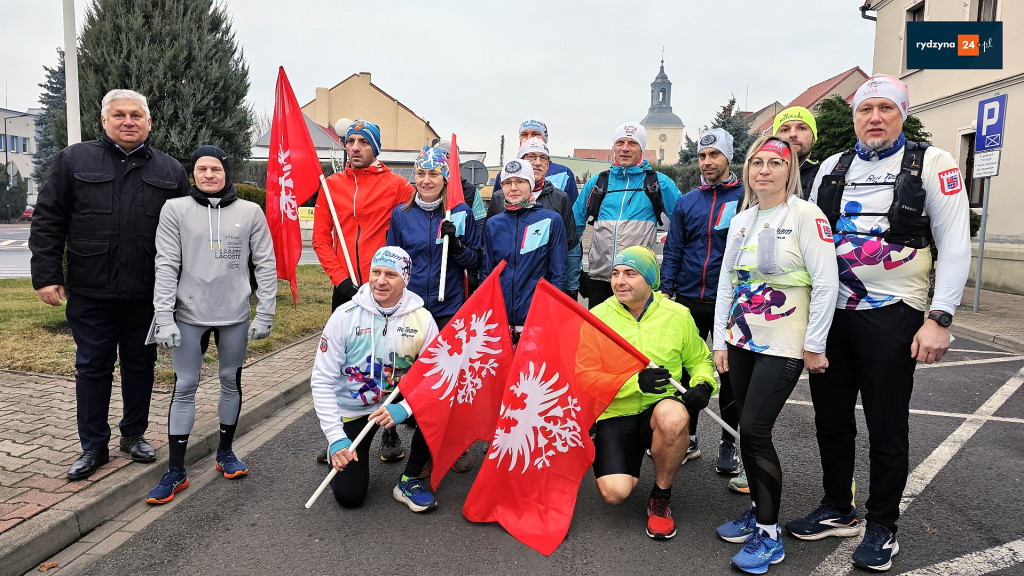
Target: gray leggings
x=188, y=359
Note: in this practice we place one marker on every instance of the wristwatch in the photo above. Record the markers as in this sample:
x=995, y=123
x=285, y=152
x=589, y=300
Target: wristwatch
x=944, y=319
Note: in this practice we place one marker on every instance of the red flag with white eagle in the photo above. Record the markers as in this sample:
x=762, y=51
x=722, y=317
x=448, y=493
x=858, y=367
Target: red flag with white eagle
x=455, y=387
x=568, y=367
x=293, y=176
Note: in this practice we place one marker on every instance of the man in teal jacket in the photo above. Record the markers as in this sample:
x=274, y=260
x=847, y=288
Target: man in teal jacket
x=648, y=412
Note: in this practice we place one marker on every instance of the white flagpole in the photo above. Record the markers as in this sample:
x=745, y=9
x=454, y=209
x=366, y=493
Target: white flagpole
x=444, y=260
x=341, y=236
x=707, y=411
x=355, y=443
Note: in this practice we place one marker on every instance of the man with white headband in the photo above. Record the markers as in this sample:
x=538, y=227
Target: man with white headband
x=887, y=200
x=625, y=205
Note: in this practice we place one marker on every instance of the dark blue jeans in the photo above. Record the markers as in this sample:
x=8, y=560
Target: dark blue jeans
x=106, y=331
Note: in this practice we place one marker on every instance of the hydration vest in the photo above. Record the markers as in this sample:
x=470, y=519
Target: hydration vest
x=908, y=225
x=651, y=188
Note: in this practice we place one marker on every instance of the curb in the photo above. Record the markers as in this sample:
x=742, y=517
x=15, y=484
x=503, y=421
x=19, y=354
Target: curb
x=23, y=547
x=987, y=337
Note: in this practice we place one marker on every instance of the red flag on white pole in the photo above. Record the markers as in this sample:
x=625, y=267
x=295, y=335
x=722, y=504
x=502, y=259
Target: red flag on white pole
x=455, y=387
x=567, y=368
x=293, y=174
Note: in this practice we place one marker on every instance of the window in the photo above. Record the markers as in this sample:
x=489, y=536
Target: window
x=916, y=13
x=987, y=10
x=12, y=143
x=975, y=186
x=2, y=145
x=24, y=145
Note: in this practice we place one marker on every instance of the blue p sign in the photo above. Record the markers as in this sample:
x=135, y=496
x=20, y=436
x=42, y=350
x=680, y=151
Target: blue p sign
x=991, y=118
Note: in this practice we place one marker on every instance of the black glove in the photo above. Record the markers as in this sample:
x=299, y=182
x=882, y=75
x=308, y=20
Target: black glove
x=697, y=397
x=654, y=380
x=345, y=291
x=585, y=284
x=454, y=244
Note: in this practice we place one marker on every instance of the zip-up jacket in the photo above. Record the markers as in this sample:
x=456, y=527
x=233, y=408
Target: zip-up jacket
x=363, y=355
x=363, y=198
x=417, y=232
x=104, y=206
x=626, y=218
x=808, y=172
x=696, y=239
x=549, y=197
x=667, y=335
x=532, y=243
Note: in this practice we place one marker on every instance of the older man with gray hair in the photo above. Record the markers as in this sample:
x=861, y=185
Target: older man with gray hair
x=101, y=201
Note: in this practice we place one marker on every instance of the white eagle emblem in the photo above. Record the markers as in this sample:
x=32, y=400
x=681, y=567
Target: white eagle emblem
x=541, y=418
x=289, y=207
x=464, y=368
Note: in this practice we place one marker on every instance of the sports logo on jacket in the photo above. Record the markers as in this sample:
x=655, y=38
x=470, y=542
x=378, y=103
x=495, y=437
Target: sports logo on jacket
x=323, y=344
x=951, y=181
x=824, y=230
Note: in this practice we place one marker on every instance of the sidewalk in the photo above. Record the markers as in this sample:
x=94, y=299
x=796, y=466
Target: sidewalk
x=41, y=512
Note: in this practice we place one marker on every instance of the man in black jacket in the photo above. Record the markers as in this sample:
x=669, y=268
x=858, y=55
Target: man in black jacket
x=797, y=126
x=101, y=200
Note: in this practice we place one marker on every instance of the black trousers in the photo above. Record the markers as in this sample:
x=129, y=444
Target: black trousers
x=868, y=352
x=106, y=331
x=600, y=290
x=704, y=317
x=762, y=385
x=350, y=485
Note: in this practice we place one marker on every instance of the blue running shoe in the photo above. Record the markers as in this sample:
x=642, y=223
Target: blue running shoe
x=231, y=467
x=415, y=495
x=759, y=553
x=738, y=530
x=877, y=549
x=728, y=462
x=823, y=522
x=174, y=480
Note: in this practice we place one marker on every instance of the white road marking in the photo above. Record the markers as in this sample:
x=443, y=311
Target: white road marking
x=1015, y=358
x=838, y=563
x=1004, y=353
x=931, y=413
x=6, y=242
x=976, y=563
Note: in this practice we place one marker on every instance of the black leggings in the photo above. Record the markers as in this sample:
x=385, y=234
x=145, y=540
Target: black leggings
x=704, y=317
x=762, y=385
x=350, y=485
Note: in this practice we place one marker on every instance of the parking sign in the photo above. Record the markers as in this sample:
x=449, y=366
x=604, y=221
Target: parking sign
x=991, y=117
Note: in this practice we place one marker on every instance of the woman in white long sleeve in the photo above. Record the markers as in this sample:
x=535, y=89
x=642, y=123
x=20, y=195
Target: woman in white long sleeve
x=777, y=290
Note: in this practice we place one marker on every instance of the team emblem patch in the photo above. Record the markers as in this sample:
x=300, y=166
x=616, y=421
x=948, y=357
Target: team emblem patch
x=323, y=344
x=951, y=181
x=708, y=140
x=824, y=230
x=513, y=166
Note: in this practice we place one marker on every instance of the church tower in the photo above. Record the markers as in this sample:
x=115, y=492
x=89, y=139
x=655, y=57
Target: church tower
x=664, y=129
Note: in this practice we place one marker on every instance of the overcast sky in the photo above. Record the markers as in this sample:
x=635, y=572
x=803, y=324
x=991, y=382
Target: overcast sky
x=584, y=66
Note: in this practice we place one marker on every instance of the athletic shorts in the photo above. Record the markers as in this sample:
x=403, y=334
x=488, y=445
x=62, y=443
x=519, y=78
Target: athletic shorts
x=620, y=442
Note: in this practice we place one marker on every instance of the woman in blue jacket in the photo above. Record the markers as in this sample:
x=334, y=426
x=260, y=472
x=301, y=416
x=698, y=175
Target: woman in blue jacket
x=419, y=227
x=530, y=239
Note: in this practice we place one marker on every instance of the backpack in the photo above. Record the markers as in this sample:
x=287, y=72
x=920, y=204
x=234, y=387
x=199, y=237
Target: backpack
x=651, y=188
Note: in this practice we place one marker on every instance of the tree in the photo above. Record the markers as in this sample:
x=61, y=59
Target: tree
x=730, y=119
x=688, y=153
x=835, y=128
x=52, y=124
x=13, y=195
x=180, y=54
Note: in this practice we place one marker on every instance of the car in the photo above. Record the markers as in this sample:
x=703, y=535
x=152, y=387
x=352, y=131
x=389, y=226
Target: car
x=27, y=214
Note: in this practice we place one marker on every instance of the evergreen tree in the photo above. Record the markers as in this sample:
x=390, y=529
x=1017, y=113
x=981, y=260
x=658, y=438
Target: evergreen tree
x=835, y=128
x=729, y=119
x=181, y=55
x=13, y=195
x=688, y=153
x=52, y=124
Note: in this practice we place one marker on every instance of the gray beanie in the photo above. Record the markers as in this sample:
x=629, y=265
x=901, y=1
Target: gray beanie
x=718, y=139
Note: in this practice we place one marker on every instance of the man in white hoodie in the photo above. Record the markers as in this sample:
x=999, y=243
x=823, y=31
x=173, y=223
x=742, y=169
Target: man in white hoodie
x=366, y=348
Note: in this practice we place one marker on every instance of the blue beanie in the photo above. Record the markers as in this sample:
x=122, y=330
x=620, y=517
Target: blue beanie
x=643, y=260
x=367, y=130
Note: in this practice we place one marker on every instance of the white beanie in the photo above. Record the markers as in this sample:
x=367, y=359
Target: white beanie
x=533, y=145
x=883, y=86
x=633, y=131
x=517, y=169
x=718, y=139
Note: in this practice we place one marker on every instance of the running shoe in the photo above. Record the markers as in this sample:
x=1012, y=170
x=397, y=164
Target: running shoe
x=231, y=467
x=737, y=531
x=391, y=449
x=739, y=483
x=414, y=494
x=660, y=524
x=323, y=457
x=693, y=452
x=759, y=552
x=728, y=461
x=173, y=481
x=464, y=463
x=877, y=549
x=823, y=522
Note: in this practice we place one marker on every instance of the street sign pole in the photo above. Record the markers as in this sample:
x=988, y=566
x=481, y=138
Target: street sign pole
x=988, y=142
x=981, y=246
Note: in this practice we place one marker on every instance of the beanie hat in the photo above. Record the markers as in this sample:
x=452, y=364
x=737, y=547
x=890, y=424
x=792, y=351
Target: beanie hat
x=883, y=86
x=367, y=130
x=718, y=139
x=395, y=258
x=535, y=124
x=517, y=169
x=533, y=146
x=643, y=260
x=632, y=130
x=433, y=159
x=213, y=152
x=795, y=113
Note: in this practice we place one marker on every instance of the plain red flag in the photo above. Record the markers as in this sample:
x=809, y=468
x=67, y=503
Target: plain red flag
x=455, y=196
x=293, y=175
x=567, y=368
x=455, y=387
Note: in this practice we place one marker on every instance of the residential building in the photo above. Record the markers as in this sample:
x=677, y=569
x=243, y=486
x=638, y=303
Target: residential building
x=18, y=145
x=844, y=84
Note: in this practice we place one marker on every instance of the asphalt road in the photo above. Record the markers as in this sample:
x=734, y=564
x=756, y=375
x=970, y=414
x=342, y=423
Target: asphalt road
x=964, y=497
